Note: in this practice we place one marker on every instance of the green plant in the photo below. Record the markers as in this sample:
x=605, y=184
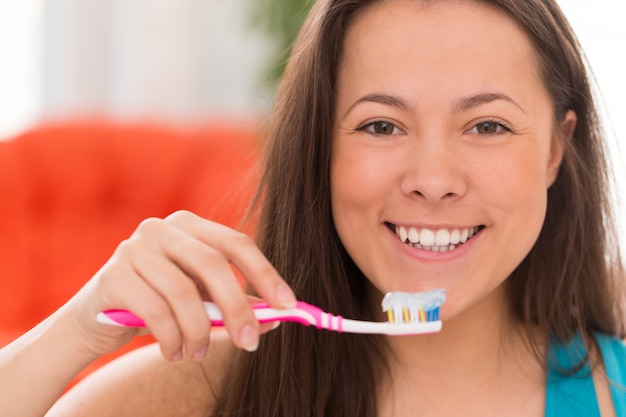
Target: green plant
x=280, y=20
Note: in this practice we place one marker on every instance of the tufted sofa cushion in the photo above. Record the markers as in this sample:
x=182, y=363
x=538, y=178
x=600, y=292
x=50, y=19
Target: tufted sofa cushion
x=71, y=192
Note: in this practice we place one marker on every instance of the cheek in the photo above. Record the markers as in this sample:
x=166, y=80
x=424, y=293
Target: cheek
x=512, y=176
x=515, y=188
x=361, y=178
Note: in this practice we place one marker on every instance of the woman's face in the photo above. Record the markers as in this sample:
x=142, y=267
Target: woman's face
x=443, y=149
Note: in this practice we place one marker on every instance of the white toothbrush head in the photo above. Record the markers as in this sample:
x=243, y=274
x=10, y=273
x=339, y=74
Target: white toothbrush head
x=407, y=307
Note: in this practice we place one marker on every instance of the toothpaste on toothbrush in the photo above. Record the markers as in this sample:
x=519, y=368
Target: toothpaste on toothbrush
x=407, y=307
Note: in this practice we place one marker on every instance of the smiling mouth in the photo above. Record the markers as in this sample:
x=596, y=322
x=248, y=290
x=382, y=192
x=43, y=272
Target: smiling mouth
x=440, y=240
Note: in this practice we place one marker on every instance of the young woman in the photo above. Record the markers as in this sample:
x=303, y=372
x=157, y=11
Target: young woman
x=397, y=120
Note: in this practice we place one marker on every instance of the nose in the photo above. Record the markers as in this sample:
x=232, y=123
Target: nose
x=434, y=172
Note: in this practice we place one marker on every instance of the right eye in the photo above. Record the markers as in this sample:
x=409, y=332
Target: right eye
x=381, y=128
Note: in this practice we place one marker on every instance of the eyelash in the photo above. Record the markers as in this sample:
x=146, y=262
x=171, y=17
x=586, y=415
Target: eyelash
x=499, y=125
x=370, y=125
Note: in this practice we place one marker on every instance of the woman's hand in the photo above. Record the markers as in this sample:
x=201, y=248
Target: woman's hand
x=164, y=272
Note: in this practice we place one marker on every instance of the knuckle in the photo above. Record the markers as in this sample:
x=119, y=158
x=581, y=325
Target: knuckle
x=235, y=241
x=208, y=258
x=240, y=238
x=192, y=248
x=205, y=261
x=239, y=307
x=149, y=223
x=147, y=229
x=181, y=217
x=184, y=291
x=125, y=248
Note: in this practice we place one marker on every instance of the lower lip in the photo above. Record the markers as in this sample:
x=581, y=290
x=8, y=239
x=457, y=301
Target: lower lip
x=430, y=256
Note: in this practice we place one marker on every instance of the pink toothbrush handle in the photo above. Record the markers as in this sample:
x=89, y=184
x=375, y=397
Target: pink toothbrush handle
x=304, y=313
x=122, y=318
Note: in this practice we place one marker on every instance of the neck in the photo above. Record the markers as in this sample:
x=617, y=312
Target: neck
x=478, y=336
x=480, y=352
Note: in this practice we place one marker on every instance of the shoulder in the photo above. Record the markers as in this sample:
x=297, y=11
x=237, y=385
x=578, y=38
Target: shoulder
x=142, y=383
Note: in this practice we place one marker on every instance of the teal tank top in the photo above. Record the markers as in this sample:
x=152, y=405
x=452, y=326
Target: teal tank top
x=570, y=389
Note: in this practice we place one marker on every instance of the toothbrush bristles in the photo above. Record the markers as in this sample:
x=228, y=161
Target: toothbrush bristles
x=409, y=308
x=390, y=316
x=407, y=319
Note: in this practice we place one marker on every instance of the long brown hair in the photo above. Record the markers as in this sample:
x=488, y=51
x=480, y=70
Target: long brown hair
x=566, y=284
x=572, y=281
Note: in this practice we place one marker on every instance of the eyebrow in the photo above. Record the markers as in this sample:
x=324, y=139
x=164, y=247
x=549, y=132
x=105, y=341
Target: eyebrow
x=462, y=105
x=472, y=102
x=384, y=99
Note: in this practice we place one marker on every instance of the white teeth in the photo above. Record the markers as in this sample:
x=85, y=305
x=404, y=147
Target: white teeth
x=427, y=237
x=442, y=237
x=402, y=233
x=464, y=234
x=443, y=240
x=455, y=237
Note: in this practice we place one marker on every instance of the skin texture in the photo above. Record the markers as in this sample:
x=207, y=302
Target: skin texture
x=453, y=134
x=435, y=168
x=142, y=383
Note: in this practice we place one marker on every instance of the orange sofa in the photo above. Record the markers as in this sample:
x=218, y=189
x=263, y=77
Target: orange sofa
x=71, y=192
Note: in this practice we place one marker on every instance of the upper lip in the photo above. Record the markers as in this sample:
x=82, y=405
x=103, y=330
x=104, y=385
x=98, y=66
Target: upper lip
x=431, y=226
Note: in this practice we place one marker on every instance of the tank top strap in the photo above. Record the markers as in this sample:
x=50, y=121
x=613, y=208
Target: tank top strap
x=614, y=357
x=570, y=390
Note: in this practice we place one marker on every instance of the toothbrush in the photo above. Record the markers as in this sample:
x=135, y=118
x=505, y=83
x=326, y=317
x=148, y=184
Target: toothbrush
x=408, y=313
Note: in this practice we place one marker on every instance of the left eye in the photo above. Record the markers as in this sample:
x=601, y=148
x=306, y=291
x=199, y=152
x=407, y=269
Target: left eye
x=489, y=127
x=381, y=127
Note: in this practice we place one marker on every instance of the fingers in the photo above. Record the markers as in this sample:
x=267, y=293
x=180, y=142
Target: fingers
x=263, y=327
x=182, y=327
x=131, y=280
x=168, y=266
x=241, y=250
x=220, y=247
x=206, y=265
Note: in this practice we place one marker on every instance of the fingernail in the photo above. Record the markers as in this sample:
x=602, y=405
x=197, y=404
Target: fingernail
x=275, y=325
x=249, y=338
x=200, y=353
x=178, y=356
x=286, y=296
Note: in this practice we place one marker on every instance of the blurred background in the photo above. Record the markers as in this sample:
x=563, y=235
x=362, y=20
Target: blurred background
x=183, y=62
x=176, y=61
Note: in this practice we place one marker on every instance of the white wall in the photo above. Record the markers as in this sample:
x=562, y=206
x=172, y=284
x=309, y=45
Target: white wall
x=20, y=87
x=174, y=60
x=180, y=60
x=601, y=30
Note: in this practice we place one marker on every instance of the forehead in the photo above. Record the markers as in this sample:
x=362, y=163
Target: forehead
x=446, y=43
x=436, y=18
